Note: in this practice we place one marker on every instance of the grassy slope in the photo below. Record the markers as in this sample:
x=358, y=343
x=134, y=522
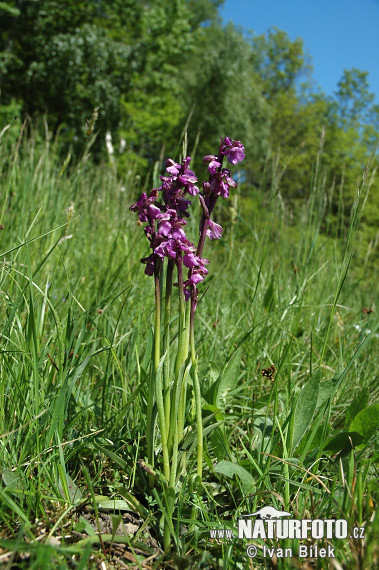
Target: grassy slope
x=76, y=313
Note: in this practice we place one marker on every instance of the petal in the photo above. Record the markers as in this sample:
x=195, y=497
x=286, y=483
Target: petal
x=190, y=260
x=154, y=211
x=164, y=228
x=214, y=231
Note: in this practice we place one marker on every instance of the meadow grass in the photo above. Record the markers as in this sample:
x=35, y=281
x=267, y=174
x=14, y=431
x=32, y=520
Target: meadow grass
x=76, y=342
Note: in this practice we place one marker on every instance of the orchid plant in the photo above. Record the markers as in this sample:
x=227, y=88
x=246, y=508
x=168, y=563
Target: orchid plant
x=165, y=211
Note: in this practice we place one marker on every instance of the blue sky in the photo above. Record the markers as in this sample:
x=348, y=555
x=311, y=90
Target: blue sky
x=337, y=34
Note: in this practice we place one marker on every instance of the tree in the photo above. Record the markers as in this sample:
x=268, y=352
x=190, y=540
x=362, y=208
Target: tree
x=151, y=111
x=225, y=96
x=279, y=62
x=353, y=98
x=125, y=57
x=67, y=64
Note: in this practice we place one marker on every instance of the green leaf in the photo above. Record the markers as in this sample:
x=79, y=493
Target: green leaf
x=11, y=479
x=230, y=469
x=227, y=381
x=262, y=426
x=211, y=384
x=343, y=441
x=325, y=391
x=135, y=505
x=115, y=505
x=218, y=444
x=359, y=403
x=189, y=442
x=116, y=521
x=214, y=410
x=316, y=442
x=195, y=483
x=366, y=422
x=84, y=526
x=305, y=408
x=115, y=458
x=69, y=490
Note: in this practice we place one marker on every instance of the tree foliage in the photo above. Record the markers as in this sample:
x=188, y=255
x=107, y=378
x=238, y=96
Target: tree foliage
x=279, y=62
x=224, y=92
x=152, y=66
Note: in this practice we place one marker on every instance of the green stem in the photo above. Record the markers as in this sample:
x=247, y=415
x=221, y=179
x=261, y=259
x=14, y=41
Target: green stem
x=182, y=410
x=157, y=339
x=167, y=315
x=180, y=356
x=166, y=456
x=162, y=423
x=206, y=214
x=183, y=391
x=174, y=460
x=171, y=486
x=197, y=390
x=150, y=399
x=166, y=536
x=188, y=329
x=180, y=359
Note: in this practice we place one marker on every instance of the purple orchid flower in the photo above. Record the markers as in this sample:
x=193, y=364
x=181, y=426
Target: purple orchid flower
x=181, y=180
x=165, y=223
x=233, y=150
x=220, y=183
x=214, y=231
x=213, y=161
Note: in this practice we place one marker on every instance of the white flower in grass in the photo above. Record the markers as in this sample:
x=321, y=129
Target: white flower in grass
x=108, y=143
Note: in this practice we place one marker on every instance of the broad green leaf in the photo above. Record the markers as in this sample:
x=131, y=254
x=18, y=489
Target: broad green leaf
x=11, y=479
x=343, y=441
x=84, y=525
x=262, y=426
x=218, y=444
x=230, y=469
x=305, y=408
x=359, y=403
x=210, y=408
x=213, y=410
x=366, y=422
x=116, y=521
x=325, y=391
x=228, y=380
x=115, y=504
x=317, y=441
x=211, y=383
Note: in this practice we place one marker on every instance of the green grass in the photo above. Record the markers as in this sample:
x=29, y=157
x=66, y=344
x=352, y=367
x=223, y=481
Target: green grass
x=76, y=317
